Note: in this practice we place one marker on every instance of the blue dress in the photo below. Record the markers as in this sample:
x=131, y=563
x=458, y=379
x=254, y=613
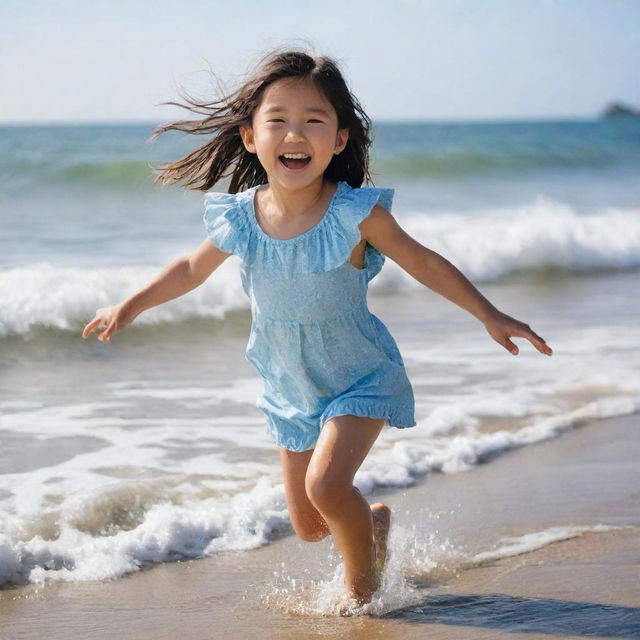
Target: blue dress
x=313, y=340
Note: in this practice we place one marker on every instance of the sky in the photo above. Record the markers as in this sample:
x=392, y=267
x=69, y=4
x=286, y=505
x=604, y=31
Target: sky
x=405, y=60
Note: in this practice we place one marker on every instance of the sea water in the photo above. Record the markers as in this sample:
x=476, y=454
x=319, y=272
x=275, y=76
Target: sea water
x=149, y=449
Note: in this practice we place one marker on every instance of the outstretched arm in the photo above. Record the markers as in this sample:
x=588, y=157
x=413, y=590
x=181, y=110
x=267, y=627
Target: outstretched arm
x=180, y=277
x=381, y=230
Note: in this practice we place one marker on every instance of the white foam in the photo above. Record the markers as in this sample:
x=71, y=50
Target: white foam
x=86, y=538
x=133, y=445
x=409, y=554
x=168, y=470
x=485, y=245
x=167, y=532
x=415, y=561
x=408, y=459
x=240, y=390
x=528, y=542
x=67, y=297
x=488, y=244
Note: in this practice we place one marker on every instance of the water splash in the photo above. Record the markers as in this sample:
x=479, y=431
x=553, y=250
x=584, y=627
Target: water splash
x=413, y=563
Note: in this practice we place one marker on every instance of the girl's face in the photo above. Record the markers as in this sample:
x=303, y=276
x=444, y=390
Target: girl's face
x=294, y=117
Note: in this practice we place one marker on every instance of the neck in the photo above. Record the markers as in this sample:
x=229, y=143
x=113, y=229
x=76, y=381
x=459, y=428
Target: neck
x=296, y=203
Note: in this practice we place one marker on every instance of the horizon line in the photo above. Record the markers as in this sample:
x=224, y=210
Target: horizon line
x=425, y=120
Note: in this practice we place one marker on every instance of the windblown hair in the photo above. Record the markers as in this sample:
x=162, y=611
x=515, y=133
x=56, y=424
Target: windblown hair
x=224, y=154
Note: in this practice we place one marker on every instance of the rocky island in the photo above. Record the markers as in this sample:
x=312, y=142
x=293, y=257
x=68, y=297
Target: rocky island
x=616, y=109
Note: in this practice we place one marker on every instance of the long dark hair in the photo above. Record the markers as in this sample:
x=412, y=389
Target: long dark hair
x=225, y=154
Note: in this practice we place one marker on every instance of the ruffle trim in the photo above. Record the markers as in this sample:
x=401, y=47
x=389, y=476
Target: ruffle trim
x=368, y=409
x=302, y=440
x=226, y=223
x=337, y=238
x=231, y=225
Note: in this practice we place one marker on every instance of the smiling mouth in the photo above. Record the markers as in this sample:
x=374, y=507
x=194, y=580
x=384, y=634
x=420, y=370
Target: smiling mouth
x=294, y=163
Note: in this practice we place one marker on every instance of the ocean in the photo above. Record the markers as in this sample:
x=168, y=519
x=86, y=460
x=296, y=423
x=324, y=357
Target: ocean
x=116, y=457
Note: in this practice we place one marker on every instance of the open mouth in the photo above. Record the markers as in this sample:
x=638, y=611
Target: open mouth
x=294, y=164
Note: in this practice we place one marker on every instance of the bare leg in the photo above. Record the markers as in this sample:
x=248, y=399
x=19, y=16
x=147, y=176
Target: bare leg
x=306, y=520
x=341, y=448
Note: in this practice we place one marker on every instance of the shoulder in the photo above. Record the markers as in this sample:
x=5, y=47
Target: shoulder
x=379, y=222
x=382, y=230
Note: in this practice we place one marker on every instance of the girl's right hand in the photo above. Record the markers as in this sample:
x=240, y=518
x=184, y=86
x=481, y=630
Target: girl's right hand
x=108, y=320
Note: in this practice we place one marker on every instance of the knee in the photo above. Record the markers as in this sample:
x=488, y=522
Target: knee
x=309, y=525
x=325, y=492
x=312, y=535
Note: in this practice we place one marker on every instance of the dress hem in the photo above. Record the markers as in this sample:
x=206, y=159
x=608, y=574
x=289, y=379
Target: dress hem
x=391, y=418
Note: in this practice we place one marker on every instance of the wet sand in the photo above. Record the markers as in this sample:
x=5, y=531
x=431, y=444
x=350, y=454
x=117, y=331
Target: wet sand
x=588, y=585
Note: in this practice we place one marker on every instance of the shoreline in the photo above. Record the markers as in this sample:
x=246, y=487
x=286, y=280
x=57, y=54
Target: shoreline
x=583, y=478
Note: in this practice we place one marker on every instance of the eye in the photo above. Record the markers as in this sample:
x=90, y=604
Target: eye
x=281, y=120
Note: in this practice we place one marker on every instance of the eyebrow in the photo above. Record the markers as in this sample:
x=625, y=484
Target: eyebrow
x=275, y=108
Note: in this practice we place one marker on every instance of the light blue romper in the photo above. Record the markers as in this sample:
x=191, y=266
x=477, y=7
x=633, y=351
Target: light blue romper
x=319, y=349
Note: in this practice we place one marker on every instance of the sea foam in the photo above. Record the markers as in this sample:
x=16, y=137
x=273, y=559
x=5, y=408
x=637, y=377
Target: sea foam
x=74, y=542
x=542, y=237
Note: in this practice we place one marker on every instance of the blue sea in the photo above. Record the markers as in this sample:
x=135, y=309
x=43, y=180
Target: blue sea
x=150, y=449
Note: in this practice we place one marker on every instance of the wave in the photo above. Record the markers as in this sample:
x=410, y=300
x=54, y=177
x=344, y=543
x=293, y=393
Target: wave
x=528, y=542
x=119, y=157
x=66, y=298
x=467, y=162
x=121, y=173
x=107, y=532
x=545, y=238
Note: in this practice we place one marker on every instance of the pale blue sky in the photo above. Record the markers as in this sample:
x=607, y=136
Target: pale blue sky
x=113, y=60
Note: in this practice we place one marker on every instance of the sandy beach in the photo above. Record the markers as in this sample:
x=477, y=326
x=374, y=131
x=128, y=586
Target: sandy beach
x=450, y=575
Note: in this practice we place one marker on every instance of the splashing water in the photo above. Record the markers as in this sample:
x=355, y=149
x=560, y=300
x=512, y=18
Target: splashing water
x=412, y=564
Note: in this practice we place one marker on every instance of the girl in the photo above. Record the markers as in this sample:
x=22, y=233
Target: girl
x=310, y=239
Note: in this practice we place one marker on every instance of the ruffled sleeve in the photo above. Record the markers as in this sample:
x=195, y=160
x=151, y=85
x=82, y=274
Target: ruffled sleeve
x=341, y=233
x=226, y=222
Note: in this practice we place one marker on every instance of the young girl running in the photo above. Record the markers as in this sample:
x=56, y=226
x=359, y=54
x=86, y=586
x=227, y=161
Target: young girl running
x=310, y=238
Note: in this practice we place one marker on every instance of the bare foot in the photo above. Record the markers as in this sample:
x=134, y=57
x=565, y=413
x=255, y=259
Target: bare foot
x=351, y=601
x=381, y=523
x=351, y=604
x=346, y=606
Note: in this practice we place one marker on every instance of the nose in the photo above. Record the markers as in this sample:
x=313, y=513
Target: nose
x=292, y=134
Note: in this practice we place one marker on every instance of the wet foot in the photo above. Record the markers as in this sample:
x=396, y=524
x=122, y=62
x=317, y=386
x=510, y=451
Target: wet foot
x=346, y=606
x=351, y=602
x=381, y=523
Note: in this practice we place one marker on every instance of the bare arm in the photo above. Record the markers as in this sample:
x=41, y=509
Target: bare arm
x=432, y=270
x=179, y=277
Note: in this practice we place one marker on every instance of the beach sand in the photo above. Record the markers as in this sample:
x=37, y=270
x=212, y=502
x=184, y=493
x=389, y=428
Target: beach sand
x=587, y=585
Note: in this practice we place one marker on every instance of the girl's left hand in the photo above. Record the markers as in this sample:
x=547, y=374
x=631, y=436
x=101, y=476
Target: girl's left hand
x=501, y=327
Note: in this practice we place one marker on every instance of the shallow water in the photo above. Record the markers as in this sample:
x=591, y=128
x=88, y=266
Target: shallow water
x=151, y=449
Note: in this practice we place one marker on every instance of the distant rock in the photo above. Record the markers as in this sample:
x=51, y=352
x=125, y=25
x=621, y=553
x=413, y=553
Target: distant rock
x=616, y=109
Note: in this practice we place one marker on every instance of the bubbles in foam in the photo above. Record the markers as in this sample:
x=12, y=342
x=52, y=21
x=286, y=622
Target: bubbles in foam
x=544, y=235
x=485, y=246
x=414, y=562
x=67, y=298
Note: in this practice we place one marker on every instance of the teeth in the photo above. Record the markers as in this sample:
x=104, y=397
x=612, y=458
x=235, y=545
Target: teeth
x=295, y=155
